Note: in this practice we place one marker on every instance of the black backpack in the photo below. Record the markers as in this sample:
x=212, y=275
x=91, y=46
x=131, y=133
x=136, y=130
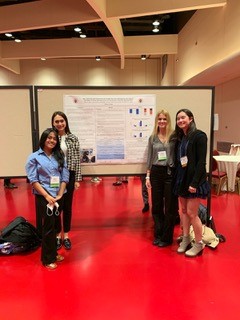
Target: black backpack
x=19, y=236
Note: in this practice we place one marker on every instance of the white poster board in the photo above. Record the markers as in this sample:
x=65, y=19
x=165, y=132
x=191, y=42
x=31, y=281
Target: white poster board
x=198, y=99
x=112, y=129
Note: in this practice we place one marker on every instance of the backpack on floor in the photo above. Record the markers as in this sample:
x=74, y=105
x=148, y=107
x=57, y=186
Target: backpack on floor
x=207, y=220
x=19, y=236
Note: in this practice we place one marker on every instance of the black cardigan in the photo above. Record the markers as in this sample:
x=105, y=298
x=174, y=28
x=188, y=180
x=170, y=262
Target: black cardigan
x=195, y=171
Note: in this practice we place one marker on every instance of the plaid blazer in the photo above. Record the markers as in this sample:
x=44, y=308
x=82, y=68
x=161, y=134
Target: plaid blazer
x=73, y=155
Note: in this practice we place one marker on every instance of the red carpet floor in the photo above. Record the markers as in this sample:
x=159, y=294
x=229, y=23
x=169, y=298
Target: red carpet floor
x=113, y=271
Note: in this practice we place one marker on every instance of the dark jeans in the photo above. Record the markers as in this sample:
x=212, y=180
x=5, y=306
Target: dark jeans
x=164, y=203
x=48, y=229
x=144, y=189
x=67, y=206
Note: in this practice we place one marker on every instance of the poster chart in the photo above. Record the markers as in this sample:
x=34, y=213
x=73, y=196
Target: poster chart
x=112, y=129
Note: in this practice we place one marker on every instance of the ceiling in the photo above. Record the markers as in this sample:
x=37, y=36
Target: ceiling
x=169, y=23
x=116, y=29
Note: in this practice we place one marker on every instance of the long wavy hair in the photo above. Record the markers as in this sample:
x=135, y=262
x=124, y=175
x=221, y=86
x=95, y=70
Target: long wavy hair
x=168, y=127
x=57, y=152
x=61, y=114
x=178, y=133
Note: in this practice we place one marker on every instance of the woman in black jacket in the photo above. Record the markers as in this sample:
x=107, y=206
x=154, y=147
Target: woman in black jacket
x=191, y=178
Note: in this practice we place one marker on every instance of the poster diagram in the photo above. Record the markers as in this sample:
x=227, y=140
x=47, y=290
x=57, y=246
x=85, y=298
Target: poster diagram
x=111, y=128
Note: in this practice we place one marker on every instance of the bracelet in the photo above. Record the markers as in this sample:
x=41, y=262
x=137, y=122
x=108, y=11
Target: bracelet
x=147, y=178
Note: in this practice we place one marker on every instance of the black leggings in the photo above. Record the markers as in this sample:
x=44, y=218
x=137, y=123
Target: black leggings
x=67, y=206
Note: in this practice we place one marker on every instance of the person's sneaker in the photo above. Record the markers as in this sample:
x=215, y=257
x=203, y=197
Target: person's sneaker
x=145, y=208
x=197, y=249
x=59, y=258
x=95, y=180
x=51, y=266
x=67, y=244
x=156, y=241
x=117, y=183
x=162, y=244
x=184, y=244
x=10, y=186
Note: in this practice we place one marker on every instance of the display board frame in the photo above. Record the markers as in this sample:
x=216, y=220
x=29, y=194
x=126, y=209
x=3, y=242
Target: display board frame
x=200, y=100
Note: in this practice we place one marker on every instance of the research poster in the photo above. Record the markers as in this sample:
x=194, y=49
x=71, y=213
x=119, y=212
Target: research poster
x=112, y=129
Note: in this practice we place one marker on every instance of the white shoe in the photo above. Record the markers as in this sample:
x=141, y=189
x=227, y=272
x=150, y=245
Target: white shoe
x=197, y=249
x=95, y=180
x=184, y=244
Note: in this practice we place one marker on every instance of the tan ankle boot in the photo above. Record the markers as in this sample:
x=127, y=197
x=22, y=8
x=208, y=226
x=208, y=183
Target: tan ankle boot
x=196, y=249
x=184, y=244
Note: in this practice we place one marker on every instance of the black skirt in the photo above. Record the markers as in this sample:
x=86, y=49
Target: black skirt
x=202, y=191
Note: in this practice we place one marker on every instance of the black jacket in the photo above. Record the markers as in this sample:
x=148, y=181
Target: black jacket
x=195, y=171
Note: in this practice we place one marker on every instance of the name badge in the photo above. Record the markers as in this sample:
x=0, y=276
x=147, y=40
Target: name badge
x=54, y=182
x=184, y=161
x=162, y=155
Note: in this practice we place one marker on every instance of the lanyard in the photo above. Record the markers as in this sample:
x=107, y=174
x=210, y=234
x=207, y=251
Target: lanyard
x=183, y=147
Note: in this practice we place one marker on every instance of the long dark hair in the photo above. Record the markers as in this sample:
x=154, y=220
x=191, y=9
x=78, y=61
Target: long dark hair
x=178, y=133
x=57, y=152
x=61, y=114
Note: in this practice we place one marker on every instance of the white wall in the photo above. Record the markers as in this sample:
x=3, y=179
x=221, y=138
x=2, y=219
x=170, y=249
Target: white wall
x=168, y=77
x=85, y=72
x=227, y=105
x=211, y=36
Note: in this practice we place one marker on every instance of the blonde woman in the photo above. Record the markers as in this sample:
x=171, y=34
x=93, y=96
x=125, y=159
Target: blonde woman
x=160, y=171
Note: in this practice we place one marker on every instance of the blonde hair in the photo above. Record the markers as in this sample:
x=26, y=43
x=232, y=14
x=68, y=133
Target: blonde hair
x=169, y=129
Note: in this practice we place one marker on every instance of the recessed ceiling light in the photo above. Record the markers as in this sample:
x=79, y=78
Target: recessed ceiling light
x=77, y=29
x=43, y=59
x=143, y=57
x=8, y=35
x=156, y=23
x=17, y=40
x=82, y=35
x=155, y=29
x=98, y=58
